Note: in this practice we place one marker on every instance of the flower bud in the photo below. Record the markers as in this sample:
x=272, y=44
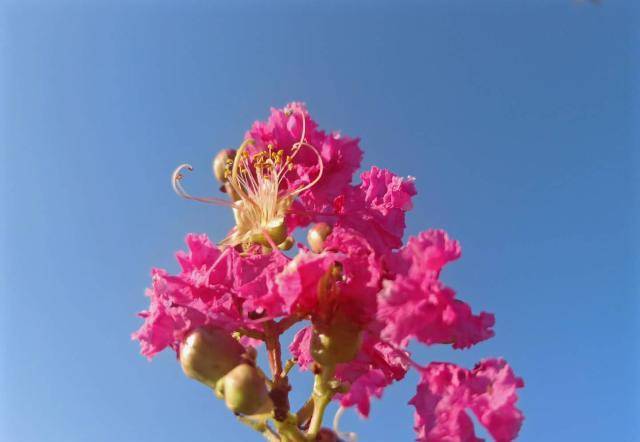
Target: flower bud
x=316, y=236
x=244, y=390
x=337, y=343
x=220, y=163
x=209, y=353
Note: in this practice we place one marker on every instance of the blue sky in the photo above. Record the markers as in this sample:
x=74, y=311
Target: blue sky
x=518, y=119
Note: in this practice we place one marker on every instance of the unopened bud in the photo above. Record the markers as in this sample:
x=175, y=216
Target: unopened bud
x=209, y=353
x=220, y=163
x=244, y=390
x=336, y=344
x=316, y=236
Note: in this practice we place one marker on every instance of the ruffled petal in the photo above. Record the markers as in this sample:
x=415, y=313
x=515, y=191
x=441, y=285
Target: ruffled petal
x=376, y=208
x=377, y=366
x=345, y=278
x=300, y=348
x=446, y=392
x=215, y=287
x=417, y=305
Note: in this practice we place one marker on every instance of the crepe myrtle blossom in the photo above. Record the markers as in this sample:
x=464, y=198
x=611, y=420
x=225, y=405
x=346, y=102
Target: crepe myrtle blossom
x=358, y=294
x=446, y=392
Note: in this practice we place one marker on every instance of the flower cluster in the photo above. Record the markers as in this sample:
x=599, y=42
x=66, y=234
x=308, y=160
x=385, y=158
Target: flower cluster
x=361, y=293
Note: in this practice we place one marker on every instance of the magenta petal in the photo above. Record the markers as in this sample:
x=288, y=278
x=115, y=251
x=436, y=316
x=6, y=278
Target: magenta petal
x=446, y=392
x=417, y=305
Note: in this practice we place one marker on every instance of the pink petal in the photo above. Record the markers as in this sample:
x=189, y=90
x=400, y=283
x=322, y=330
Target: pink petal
x=446, y=392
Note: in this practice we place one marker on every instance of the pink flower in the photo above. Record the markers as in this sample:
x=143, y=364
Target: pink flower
x=300, y=348
x=254, y=284
x=299, y=282
x=364, y=293
x=215, y=287
x=166, y=323
x=446, y=391
x=370, y=383
x=376, y=208
x=340, y=155
x=425, y=255
x=377, y=365
x=345, y=278
x=417, y=305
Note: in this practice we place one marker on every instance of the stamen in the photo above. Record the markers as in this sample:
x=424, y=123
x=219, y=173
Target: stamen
x=176, y=179
x=347, y=437
x=234, y=171
x=297, y=192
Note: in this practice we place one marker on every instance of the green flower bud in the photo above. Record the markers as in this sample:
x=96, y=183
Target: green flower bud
x=244, y=390
x=219, y=389
x=316, y=236
x=209, y=353
x=337, y=343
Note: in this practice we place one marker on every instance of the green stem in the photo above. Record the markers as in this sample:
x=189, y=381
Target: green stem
x=260, y=426
x=322, y=394
x=289, y=431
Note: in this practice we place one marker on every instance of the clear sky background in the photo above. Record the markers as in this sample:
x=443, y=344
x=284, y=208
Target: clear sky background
x=518, y=119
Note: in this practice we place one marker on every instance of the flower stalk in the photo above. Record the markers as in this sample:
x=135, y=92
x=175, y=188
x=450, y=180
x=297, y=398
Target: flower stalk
x=322, y=395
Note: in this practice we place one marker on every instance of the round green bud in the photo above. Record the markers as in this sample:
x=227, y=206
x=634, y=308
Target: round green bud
x=209, y=353
x=245, y=391
x=337, y=343
x=316, y=236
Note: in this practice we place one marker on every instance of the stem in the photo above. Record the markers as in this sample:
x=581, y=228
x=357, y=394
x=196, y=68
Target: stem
x=286, y=323
x=261, y=427
x=322, y=394
x=287, y=367
x=255, y=334
x=273, y=349
x=289, y=432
